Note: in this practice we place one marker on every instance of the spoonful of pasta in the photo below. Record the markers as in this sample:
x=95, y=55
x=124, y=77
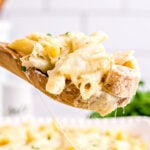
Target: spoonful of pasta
x=74, y=68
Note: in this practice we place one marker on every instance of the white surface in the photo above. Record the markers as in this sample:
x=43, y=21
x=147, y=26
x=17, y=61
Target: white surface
x=46, y=107
x=145, y=70
x=46, y=24
x=124, y=33
x=139, y=5
x=17, y=100
x=84, y=5
x=5, y=27
x=23, y=5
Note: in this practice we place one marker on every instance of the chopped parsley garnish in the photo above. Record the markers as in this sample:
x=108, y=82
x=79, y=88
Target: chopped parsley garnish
x=48, y=138
x=23, y=68
x=94, y=115
x=141, y=83
x=48, y=34
x=67, y=33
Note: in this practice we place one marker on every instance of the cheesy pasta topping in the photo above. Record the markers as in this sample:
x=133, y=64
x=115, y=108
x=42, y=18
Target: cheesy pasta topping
x=28, y=136
x=73, y=56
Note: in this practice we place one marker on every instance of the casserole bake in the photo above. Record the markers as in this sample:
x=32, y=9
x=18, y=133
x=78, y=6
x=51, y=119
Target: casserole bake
x=44, y=134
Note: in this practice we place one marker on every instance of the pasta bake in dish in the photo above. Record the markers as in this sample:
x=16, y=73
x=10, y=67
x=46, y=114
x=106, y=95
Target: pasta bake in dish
x=28, y=136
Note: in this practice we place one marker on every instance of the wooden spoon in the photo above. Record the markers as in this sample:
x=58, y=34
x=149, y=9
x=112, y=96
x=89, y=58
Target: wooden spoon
x=105, y=103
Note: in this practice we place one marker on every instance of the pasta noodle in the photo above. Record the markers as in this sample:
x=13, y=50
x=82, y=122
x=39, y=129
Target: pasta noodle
x=28, y=136
x=81, y=61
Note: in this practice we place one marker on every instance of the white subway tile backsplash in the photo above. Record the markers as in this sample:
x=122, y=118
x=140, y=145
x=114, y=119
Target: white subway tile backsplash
x=84, y=5
x=23, y=5
x=124, y=33
x=145, y=69
x=139, y=5
x=24, y=25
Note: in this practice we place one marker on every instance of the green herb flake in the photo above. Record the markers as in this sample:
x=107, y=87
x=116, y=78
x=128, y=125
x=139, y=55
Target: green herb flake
x=48, y=34
x=35, y=148
x=94, y=115
x=67, y=33
x=23, y=68
x=94, y=145
x=48, y=138
x=141, y=83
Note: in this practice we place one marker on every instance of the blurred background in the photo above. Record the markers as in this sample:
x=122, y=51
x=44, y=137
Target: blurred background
x=127, y=22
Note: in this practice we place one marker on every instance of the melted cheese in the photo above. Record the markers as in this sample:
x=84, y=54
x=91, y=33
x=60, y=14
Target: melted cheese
x=73, y=56
x=27, y=136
